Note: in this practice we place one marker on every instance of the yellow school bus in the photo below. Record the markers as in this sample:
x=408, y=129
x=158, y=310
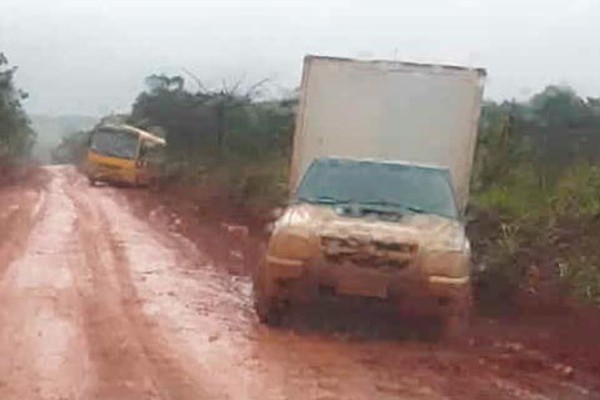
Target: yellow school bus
x=123, y=154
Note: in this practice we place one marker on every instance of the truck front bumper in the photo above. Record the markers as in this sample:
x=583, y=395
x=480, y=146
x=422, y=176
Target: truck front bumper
x=303, y=282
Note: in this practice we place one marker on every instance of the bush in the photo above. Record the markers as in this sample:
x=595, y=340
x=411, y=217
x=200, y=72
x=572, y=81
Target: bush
x=578, y=192
x=258, y=186
x=520, y=194
x=551, y=226
x=582, y=274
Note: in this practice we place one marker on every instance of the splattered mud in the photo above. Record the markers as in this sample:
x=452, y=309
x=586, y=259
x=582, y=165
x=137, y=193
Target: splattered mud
x=98, y=303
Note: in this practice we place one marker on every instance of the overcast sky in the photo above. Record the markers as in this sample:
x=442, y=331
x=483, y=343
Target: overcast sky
x=91, y=56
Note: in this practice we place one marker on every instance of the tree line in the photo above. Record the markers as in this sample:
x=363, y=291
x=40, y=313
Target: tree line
x=16, y=135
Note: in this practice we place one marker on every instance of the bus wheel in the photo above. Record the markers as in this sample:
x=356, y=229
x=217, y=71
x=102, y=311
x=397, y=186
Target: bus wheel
x=154, y=184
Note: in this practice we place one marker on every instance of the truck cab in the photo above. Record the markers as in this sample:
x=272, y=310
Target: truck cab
x=373, y=229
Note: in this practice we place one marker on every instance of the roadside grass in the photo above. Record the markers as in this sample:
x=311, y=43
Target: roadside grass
x=532, y=235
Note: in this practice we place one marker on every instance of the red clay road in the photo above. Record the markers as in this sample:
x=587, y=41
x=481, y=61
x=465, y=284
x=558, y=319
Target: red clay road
x=96, y=303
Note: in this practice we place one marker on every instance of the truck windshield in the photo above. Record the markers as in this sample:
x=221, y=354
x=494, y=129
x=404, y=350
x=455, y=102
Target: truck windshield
x=406, y=188
x=115, y=143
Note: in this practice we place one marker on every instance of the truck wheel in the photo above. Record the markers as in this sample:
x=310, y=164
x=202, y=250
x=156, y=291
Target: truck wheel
x=456, y=320
x=267, y=306
x=455, y=326
x=268, y=313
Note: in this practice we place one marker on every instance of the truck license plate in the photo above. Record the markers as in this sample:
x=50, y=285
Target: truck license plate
x=359, y=286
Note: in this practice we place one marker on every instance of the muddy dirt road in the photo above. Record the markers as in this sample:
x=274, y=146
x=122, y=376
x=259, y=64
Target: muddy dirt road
x=96, y=303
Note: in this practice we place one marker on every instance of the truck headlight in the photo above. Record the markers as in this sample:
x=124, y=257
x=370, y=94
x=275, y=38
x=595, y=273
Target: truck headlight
x=452, y=264
x=455, y=242
x=458, y=243
x=291, y=246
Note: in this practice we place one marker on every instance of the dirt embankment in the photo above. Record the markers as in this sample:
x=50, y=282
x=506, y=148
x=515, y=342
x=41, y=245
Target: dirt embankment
x=229, y=234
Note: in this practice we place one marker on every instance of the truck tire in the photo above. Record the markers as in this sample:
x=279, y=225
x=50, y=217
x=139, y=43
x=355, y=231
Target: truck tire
x=267, y=306
x=456, y=319
x=268, y=312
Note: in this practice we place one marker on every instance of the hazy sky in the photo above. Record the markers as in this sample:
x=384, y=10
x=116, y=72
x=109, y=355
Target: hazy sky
x=91, y=56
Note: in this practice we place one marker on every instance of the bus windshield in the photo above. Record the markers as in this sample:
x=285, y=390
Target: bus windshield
x=113, y=143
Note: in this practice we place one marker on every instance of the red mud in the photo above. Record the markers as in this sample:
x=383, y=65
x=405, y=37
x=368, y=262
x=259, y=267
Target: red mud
x=103, y=297
x=562, y=341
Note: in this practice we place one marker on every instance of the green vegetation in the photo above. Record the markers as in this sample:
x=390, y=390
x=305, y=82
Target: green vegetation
x=536, y=196
x=16, y=135
x=224, y=139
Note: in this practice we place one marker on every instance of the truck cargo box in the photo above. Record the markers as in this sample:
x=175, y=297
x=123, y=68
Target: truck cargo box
x=388, y=110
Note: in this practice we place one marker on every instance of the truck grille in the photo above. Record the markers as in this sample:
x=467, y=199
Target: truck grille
x=368, y=253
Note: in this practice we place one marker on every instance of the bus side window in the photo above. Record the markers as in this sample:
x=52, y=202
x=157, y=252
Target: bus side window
x=150, y=152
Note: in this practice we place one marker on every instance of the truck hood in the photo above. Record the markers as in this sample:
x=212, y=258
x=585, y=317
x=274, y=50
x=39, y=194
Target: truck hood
x=427, y=231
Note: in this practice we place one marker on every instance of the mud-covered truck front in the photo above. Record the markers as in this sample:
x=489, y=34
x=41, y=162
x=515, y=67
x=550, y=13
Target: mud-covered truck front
x=379, y=182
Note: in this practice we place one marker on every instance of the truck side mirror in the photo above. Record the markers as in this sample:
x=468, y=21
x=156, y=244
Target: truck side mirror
x=268, y=228
x=277, y=213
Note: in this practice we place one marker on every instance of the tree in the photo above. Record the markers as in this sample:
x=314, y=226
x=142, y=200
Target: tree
x=564, y=127
x=554, y=129
x=16, y=135
x=210, y=126
x=558, y=106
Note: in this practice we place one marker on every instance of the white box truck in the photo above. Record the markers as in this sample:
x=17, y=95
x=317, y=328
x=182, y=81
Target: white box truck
x=379, y=180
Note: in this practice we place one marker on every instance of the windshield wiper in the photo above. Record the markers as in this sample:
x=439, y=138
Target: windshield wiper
x=322, y=200
x=380, y=207
x=386, y=203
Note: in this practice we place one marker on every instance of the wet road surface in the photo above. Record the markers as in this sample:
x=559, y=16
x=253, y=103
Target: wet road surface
x=96, y=303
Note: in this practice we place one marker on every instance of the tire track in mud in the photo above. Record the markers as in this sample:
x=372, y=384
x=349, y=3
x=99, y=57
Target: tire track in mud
x=132, y=358
x=21, y=212
x=43, y=356
x=220, y=330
